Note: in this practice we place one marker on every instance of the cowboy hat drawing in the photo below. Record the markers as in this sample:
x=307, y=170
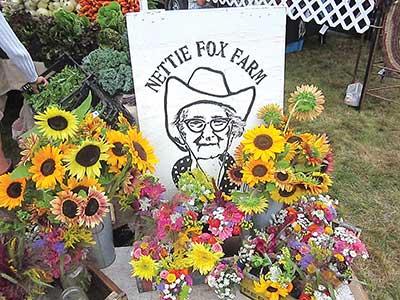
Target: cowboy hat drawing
x=205, y=85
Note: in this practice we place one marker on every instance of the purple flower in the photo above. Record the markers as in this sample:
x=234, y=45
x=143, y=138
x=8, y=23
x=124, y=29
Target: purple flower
x=161, y=286
x=180, y=209
x=38, y=243
x=59, y=247
x=306, y=260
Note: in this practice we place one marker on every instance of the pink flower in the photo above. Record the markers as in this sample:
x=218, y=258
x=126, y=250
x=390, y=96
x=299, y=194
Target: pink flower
x=164, y=274
x=223, y=234
x=137, y=253
x=232, y=214
x=216, y=248
x=151, y=191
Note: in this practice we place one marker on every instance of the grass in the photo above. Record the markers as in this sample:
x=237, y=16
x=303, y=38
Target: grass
x=367, y=156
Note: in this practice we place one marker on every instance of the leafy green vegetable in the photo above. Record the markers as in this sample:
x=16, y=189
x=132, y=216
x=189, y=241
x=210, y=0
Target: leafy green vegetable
x=110, y=16
x=60, y=86
x=112, y=70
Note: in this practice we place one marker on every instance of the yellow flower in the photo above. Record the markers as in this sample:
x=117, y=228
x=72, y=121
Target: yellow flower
x=284, y=179
x=306, y=103
x=235, y=174
x=28, y=146
x=203, y=258
x=263, y=142
x=339, y=257
x=311, y=268
x=93, y=209
x=57, y=124
x=315, y=148
x=145, y=267
x=85, y=159
x=171, y=278
x=249, y=203
x=328, y=230
x=297, y=227
x=288, y=197
x=46, y=167
x=256, y=171
x=11, y=191
x=298, y=257
x=117, y=156
x=83, y=184
x=76, y=236
x=272, y=290
x=142, y=152
x=240, y=155
x=92, y=126
x=271, y=115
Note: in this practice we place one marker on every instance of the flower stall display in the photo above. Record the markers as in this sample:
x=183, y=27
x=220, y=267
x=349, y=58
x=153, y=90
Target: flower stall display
x=188, y=236
x=279, y=163
x=72, y=165
x=304, y=253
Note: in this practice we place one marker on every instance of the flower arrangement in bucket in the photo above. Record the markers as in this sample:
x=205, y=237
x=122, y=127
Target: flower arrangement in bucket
x=304, y=253
x=187, y=239
x=72, y=164
x=279, y=164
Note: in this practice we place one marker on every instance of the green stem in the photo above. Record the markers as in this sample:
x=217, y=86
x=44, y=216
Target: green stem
x=290, y=116
x=119, y=179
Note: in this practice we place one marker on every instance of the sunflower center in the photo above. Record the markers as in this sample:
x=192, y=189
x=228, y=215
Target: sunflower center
x=118, y=149
x=14, y=190
x=88, y=155
x=259, y=170
x=92, y=207
x=319, y=179
x=69, y=208
x=237, y=173
x=140, y=150
x=294, y=139
x=79, y=188
x=282, y=176
x=285, y=193
x=272, y=289
x=57, y=123
x=48, y=167
x=263, y=142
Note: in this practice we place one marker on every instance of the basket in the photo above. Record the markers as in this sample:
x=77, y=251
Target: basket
x=108, y=108
x=73, y=100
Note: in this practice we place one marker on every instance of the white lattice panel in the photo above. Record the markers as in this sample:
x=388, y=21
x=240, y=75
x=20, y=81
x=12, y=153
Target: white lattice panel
x=347, y=13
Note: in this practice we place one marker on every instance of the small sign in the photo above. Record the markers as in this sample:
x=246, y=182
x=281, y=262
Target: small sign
x=200, y=77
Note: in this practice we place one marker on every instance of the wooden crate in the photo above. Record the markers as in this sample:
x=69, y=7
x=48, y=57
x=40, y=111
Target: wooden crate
x=103, y=288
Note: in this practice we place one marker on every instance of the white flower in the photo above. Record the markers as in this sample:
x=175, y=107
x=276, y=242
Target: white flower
x=145, y=203
x=353, y=253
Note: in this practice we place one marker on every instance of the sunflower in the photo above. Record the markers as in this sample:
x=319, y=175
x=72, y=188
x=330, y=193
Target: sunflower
x=271, y=115
x=57, y=124
x=319, y=183
x=315, y=148
x=288, y=197
x=28, y=146
x=284, y=179
x=92, y=126
x=65, y=206
x=117, y=157
x=84, y=184
x=272, y=290
x=46, y=167
x=263, y=142
x=203, y=258
x=249, y=203
x=92, y=211
x=85, y=159
x=11, y=191
x=142, y=153
x=306, y=103
x=240, y=156
x=145, y=267
x=256, y=171
x=235, y=174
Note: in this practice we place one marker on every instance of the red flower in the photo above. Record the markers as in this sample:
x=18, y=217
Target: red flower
x=304, y=297
x=236, y=230
x=214, y=223
x=261, y=246
x=193, y=215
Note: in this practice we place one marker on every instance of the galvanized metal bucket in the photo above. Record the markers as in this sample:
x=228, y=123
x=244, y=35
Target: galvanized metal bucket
x=103, y=252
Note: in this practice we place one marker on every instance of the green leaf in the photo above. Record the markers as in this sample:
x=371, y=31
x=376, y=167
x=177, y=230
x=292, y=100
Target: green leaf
x=82, y=194
x=283, y=164
x=34, y=129
x=269, y=187
x=21, y=172
x=9, y=278
x=82, y=109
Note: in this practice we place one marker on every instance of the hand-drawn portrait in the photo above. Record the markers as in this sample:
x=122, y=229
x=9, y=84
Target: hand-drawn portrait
x=203, y=122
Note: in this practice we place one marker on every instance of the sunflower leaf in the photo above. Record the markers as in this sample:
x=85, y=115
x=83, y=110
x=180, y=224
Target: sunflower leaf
x=283, y=164
x=34, y=129
x=21, y=172
x=269, y=187
x=82, y=109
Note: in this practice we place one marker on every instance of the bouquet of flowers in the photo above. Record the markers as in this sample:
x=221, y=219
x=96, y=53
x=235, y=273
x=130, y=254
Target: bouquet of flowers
x=279, y=162
x=223, y=279
x=188, y=235
x=72, y=164
x=316, y=252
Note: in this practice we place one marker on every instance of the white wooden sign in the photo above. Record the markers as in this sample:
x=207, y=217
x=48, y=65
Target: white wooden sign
x=200, y=76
